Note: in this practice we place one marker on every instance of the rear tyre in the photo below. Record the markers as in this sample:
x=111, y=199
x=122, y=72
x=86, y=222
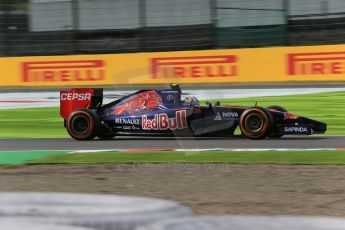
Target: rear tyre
x=256, y=123
x=275, y=132
x=81, y=124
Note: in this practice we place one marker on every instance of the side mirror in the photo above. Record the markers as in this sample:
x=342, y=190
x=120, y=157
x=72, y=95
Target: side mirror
x=209, y=104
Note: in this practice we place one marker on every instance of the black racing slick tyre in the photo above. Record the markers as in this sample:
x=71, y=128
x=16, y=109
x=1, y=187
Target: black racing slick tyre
x=275, y=133
x=82, y=124
x=256, y=123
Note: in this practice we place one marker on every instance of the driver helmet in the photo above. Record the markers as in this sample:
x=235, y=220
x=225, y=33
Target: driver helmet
x=191, y=101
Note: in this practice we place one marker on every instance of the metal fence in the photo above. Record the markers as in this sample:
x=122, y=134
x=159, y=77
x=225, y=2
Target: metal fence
x=54, y=27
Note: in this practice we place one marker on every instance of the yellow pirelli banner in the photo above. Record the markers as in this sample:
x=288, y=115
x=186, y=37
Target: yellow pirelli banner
x=259, y=65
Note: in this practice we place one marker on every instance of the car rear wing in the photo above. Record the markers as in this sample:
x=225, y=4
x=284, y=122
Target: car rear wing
x=78, y=98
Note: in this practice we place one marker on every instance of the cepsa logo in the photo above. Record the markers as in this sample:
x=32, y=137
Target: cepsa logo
x=75, y=96
x=316, y=63
x=63, y=71
x=194, y=67
x=163, y=122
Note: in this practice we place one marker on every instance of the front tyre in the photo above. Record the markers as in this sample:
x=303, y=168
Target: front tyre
x=275, y=133
x=256, y=123
x=277, y=108
x=81, y=124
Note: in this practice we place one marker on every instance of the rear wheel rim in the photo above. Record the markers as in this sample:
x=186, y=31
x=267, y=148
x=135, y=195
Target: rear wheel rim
x=80, y=124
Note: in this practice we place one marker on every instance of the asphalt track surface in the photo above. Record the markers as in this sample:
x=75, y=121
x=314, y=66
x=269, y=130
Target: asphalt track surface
x=310, y=142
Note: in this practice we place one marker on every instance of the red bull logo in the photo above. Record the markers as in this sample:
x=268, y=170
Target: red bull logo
x=290, y=116
x=163, y=122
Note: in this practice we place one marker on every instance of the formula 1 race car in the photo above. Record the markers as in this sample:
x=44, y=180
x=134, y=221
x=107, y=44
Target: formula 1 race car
x=163, y=112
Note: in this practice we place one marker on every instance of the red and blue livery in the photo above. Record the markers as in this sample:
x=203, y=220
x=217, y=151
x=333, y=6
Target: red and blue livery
x=158, y=112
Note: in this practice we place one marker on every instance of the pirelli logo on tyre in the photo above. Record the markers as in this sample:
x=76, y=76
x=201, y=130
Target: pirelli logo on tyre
x=318, y=63
x=63, y=71
x=194, y=67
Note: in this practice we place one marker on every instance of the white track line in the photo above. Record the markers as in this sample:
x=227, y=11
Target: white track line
x=203, y=150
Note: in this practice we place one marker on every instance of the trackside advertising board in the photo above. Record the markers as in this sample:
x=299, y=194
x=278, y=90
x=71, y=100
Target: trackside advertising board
x=257, y=65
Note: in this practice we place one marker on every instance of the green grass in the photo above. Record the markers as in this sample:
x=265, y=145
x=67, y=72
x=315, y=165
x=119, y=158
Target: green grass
x=37, y=122
x=20, y=157
x=46, y=122
x=264, y=157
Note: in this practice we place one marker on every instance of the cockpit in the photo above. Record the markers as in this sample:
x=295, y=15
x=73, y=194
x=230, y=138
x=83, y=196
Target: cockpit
x=149, y=100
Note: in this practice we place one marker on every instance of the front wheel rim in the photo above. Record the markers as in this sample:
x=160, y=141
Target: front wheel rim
x=254, y=123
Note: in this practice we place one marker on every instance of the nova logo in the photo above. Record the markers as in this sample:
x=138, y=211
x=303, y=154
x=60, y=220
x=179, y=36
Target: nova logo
x=218, y=117
x=230, y=114
x=163, y=122
x=194, y=67
x=63, y=71
x=225, y=115
x=316, y=63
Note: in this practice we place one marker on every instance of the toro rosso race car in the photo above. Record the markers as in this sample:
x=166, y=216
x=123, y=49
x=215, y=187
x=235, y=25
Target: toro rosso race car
x=163, y=112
